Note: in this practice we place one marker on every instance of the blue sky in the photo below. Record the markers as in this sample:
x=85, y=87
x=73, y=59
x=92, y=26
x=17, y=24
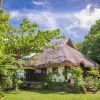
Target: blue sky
x=73, y=17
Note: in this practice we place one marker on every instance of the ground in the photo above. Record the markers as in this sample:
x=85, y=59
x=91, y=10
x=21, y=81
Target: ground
x=45, y=95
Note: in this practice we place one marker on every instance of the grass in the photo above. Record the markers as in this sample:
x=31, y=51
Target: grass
x=47, y=95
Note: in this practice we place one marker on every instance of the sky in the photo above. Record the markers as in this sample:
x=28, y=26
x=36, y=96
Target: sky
x=73, y=17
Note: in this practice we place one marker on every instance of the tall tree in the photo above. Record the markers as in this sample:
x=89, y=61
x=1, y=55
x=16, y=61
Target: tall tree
x=4, y=27
x=22, y=41
x=91, y=44
x=29, y=38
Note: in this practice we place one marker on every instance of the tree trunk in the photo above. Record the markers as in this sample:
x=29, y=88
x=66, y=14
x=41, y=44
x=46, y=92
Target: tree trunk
x=15, y=85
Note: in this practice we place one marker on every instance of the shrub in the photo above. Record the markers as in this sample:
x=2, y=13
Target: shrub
x=78, y=85
x=94, y=72
x=9, y=67
x=56, y=86
x=92, y=84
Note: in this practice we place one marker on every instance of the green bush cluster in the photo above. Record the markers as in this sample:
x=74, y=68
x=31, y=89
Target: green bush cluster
x=81, y=85
x=9, y=68
x=94, y=72
x=92, y=84
x=56, y=86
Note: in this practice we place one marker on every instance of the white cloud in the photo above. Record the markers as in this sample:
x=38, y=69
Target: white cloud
x=39, y=3
x=14, y=14
x=87, y=16
x=45, y=19
x=43, y=3
x=82, y=19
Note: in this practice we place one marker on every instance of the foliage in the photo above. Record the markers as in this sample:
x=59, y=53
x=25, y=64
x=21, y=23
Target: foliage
x=91, y=44
x=56, y=86
x=53, y=85
x=4, y=23
x=78, y=78
x=77, y=86
x=29, y=38
x=76, y=72
x=94, y=72
x=91, y=83
x=15, y=43
x=65, y=72
x=4, y=27
x=48, y=77
x=8, y=68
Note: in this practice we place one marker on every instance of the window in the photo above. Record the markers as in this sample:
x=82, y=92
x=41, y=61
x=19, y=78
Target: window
x=55, y=70
x=44, y=70
x=38, y=71
x=41, y=71
x=67, y=68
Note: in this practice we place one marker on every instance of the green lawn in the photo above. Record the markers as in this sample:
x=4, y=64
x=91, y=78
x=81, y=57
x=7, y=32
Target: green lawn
x=45, y=95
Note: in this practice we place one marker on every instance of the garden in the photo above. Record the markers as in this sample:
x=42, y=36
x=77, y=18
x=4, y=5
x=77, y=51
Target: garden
x=16, y=43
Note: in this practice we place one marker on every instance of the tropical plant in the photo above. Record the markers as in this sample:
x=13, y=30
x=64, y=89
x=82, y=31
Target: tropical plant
x=9, y=68
x=29, y=38
x=92, y=84
x=94, y=72
x=91, y=44
x=77, y=77
x=4, y=27
x=19, y=42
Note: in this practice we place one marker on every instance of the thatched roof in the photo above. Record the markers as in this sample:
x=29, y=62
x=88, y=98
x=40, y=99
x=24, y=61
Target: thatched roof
x=64, y=53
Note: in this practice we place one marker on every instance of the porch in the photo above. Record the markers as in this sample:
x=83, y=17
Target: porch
x=35, y=75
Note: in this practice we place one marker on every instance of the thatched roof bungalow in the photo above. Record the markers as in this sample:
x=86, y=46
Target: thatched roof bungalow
x=63, y=53
x=54, y=60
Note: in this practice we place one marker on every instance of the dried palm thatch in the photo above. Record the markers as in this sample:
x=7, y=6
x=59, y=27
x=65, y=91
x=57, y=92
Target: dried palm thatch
x=64, y=53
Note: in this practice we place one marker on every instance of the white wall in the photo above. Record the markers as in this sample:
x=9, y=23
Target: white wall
x=57, y=77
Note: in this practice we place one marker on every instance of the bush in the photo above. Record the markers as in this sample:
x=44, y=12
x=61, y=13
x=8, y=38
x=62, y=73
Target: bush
x=92, y=84
x=56, y=86
x=52, y=85
x=80, y=84
x=1, y=94
x=9, y=67
x=94, y=72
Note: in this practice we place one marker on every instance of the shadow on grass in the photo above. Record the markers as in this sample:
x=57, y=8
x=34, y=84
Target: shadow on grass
x=12, y=92
x=40, y=91
x=48, y=92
